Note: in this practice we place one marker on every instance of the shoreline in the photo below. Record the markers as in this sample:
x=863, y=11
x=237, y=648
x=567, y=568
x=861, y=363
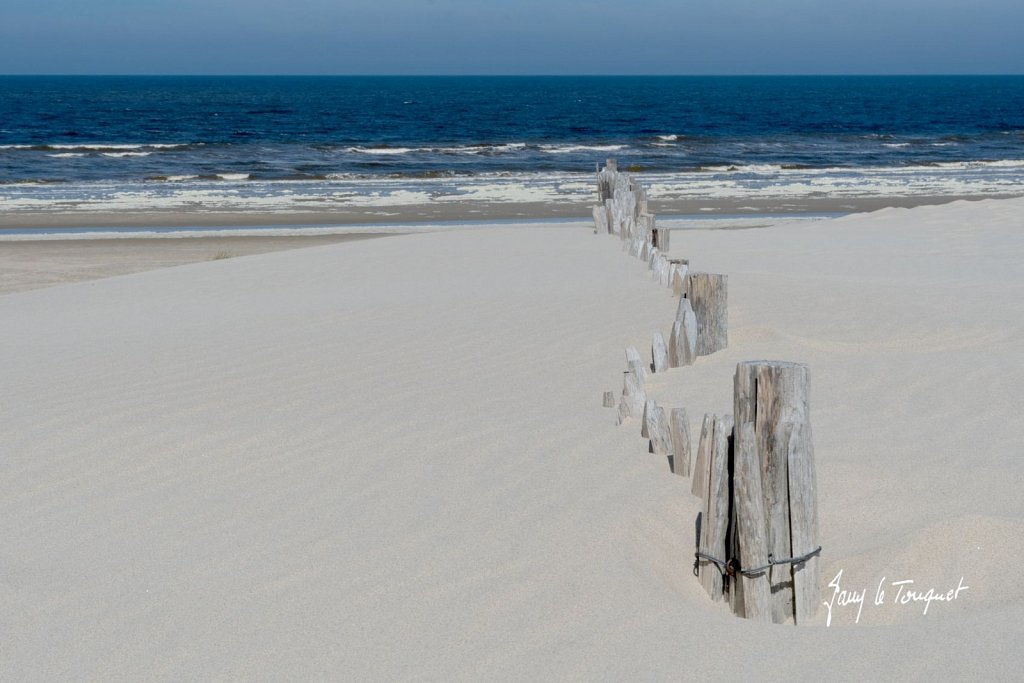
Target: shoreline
x=466, y=212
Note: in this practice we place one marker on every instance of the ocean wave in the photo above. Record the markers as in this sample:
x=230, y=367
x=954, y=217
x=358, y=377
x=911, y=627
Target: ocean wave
x=234, y=176
x=121, y=155
x=171, y=178
x=965, y=165
x=569, y=149
x=382, y=150
x=66, y=155
x=479, y=148
x=98, y=148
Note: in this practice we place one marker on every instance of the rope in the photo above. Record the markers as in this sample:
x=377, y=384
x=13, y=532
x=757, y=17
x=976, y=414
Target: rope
x=731, y=568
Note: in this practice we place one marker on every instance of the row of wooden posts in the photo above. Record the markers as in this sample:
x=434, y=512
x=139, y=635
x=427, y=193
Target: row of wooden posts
x=757, y=530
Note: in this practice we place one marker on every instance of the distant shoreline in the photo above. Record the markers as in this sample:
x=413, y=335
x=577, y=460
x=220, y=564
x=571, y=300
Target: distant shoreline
x=423, y=215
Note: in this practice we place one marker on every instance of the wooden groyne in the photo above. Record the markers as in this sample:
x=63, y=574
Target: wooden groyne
x=753, y=469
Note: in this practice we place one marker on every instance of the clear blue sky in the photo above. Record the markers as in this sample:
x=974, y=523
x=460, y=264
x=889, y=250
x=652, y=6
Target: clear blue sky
x=511, y=36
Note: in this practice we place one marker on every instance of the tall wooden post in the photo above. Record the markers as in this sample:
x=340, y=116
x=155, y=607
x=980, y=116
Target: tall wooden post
x=772, y=397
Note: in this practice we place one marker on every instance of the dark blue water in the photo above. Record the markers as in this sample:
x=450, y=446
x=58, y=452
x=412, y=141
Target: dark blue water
x=75, y=129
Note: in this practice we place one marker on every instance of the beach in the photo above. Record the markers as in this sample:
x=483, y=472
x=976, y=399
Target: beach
x=387, y=458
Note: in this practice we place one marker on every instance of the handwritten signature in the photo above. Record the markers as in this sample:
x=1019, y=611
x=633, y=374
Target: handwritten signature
x=905, y=594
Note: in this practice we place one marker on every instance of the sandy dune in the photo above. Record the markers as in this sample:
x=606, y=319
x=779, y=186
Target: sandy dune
x=388, y=459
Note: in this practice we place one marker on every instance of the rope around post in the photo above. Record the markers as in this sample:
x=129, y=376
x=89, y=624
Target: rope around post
x=731, y=568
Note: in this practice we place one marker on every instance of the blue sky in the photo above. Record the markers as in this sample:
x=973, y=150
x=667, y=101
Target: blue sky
x=511, y=36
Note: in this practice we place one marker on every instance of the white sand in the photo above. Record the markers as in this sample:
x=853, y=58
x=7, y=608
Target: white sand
x=387, y=459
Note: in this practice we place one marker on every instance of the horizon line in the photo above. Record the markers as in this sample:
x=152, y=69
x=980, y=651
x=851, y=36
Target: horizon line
x=511, y=75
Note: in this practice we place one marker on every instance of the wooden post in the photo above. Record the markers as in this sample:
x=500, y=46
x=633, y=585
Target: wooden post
x=658, y=429
x=773, y=397
x=664, y=271
x=684, y=336
x=679, y=424
x=708, y=293
x=601, y=220
x=661, y=238
x=753, y=543
x=700, y=468
x=679, y=281
x=659, y=352
x=645, y=421
x=803, y=522
x=673, y=340
x=634, y=394
x=716, y=506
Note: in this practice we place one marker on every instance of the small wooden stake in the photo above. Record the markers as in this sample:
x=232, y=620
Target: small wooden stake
x=716, y=518
x=661, y=238
x=658, y=428
x=700, y=468
x=601, y=220
x=673, y=342
x=634, y=393
x=632, y=354
x=679, y=425
x=684, y=337
x=659, y=352
x=645, y=421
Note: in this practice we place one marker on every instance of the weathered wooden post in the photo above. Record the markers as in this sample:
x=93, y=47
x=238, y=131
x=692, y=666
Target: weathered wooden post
x=679, y=425
x=715, y=522
x=772, y=397
x=634, y=394
x=708, y=293
x=645, y=421
x=661, y=238
x=750, y=527
x=700, y=467
x=601, y=226
x=679, y=278
x=684, y=336
x=658, y=431
x=659, y=352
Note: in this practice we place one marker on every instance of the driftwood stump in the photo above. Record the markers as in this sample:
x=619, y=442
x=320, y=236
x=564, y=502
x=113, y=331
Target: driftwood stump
x=708, y=293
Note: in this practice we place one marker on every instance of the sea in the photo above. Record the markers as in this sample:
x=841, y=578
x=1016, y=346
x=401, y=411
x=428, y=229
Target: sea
x=284, y=144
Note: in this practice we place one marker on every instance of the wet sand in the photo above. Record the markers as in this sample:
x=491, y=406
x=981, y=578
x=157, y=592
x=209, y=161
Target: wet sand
x=455, y=212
